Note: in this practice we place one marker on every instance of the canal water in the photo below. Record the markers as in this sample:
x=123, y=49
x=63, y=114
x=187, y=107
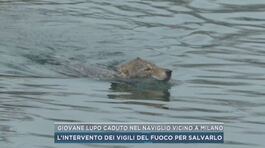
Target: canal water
x=216, y=50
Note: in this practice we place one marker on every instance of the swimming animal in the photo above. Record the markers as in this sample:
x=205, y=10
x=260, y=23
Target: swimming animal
x=142, y=69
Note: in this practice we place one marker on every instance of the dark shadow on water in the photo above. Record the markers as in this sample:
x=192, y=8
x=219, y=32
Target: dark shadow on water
x=140, y=90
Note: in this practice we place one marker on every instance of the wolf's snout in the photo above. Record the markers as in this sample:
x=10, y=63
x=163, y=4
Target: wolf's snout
x=168, y=72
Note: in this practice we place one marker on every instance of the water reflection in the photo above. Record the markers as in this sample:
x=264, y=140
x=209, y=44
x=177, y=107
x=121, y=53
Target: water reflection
x=140, y=90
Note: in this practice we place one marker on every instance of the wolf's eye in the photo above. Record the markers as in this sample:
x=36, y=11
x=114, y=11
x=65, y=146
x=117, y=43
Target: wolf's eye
x=147, y=69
